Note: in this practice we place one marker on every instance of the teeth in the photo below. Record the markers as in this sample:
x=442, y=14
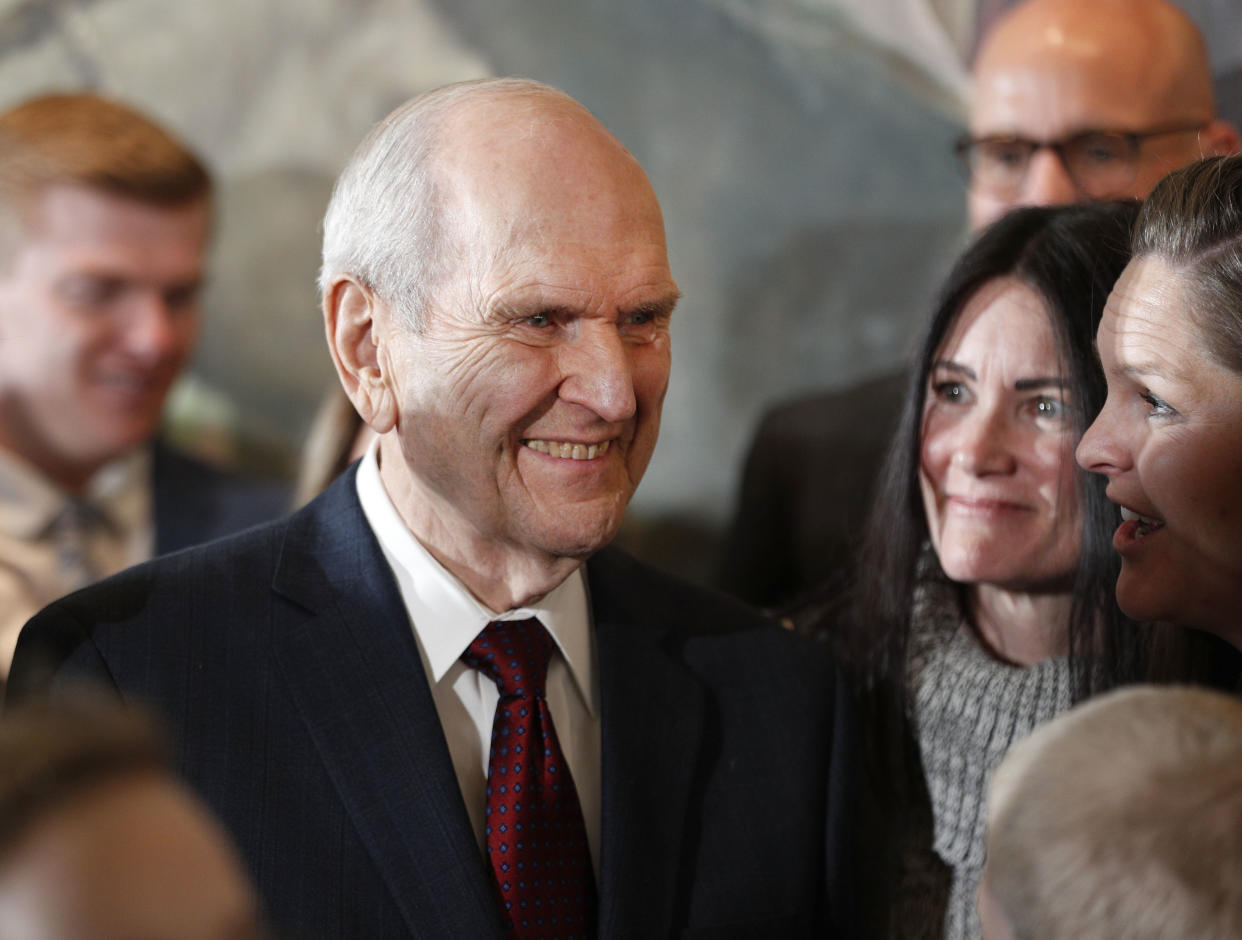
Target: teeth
x=1146, y=525
x=569, y=451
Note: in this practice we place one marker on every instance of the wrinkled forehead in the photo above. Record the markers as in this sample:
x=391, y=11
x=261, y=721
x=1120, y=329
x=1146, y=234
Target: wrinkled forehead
x=526, y=163
x=1150, y=307
x=545, y=180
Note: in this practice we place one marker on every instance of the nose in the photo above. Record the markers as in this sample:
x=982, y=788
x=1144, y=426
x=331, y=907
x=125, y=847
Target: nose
x=982, y=447
x=1099, y=450
x=598, y=372
x=152, y=327
x=1047, y=182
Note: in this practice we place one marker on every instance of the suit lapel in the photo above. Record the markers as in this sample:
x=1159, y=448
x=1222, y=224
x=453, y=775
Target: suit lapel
x=353, y=671
x=653, y=712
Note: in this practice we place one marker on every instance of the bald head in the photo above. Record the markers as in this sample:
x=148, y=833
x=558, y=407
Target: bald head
x=509, y=157
x=1051, y=69
x=420, y=170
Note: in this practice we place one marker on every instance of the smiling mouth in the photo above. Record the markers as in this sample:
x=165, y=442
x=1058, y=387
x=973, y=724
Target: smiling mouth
x=568, y=451
x=984, y=505
x=1146, y=524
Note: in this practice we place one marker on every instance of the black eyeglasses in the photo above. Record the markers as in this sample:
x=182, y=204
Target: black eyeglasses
x=1100, y=163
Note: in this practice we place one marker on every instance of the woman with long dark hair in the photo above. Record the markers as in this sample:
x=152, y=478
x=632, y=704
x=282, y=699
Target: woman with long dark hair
x=982, y=604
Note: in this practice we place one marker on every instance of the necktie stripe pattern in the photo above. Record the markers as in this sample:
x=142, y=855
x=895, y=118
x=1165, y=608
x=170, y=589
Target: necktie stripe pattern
x=536, y=838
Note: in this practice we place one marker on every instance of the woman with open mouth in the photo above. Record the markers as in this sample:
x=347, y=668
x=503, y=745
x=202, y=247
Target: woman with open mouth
x=1169, y=437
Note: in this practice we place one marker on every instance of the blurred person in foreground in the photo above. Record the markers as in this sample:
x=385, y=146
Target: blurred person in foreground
x=394, y=695
x=98, y=839
x=1073, y=101
x=104, y=224
x=1121, y=818
x=1169, y=438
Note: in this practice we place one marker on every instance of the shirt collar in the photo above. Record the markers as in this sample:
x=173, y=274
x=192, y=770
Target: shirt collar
x=30, y=502
x=446, y=616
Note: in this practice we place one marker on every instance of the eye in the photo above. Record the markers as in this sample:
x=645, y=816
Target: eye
x=89, y=291
x=539, y=321
x=1002, y=155
x=183, y=297
x=951, y=392
x=1100, y=149
x=1159, y=407
x=1050, y=409
x=642, y=324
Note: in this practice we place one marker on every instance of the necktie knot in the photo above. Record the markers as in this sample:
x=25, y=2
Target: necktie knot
x=514, y=654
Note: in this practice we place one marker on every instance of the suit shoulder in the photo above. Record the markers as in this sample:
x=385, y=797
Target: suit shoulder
x=642, y=597
x=195, y=502
x=169, y=608
x=245, y=553
x=622, y=583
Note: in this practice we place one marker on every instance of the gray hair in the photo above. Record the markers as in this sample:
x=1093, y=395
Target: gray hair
x=385, y=223
x=1193, y=221
x=1123, y=818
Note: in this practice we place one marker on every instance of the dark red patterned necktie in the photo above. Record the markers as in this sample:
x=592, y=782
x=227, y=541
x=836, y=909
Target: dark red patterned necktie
x=536, y=839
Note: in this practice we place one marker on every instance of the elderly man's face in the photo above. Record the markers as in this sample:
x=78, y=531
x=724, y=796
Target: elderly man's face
x=529, y=406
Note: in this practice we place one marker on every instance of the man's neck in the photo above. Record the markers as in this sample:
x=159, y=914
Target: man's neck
x=68, y=476
x=499, y=575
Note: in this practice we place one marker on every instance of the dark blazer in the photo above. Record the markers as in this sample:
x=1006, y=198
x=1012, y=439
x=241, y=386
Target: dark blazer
x=806, y=491
x=195, y=503
x=284, y=663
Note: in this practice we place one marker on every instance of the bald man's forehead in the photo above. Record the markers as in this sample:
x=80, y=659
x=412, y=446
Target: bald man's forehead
x=1054, y=67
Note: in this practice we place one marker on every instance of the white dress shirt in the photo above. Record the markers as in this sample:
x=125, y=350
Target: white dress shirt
x=446, y=617
x=46, y=550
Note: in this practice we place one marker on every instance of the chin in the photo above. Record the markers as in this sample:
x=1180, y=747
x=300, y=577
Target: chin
x=971, y=569
x=1138, y=601
x=578, y=542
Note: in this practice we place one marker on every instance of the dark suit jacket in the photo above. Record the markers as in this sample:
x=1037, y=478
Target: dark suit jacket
x=284, y=662
x=195, y=503
x=806, y=491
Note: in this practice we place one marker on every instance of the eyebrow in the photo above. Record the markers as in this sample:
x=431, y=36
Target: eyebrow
x=951, y=366
x=661, y=307
x=1021, y=385
x=1052, y=381
x=1143, y=370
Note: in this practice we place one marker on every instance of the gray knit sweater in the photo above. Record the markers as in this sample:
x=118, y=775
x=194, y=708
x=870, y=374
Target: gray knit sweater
x=967, y=710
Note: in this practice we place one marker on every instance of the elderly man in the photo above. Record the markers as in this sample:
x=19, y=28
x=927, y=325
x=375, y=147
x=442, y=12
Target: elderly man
x=1072, y=100
x=417, y=709
x=104, y=221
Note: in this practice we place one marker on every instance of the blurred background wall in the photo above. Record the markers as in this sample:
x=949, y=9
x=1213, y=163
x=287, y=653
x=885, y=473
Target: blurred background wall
x=801, y=150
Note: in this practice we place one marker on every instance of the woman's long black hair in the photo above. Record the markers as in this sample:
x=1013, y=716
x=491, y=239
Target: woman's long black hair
x=1070, y=256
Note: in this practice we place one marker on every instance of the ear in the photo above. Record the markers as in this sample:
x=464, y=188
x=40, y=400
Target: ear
x=351, y=314
x=1220, y=138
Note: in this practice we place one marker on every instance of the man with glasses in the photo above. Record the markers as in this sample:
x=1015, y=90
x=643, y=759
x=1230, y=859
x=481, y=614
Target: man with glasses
x=1074, y=100
x=1094, y=100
